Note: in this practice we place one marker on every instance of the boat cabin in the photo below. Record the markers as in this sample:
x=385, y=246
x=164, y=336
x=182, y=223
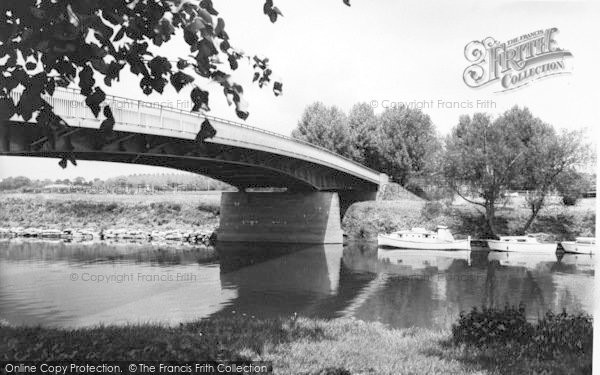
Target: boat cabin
x=522, y=239
x=442, y=233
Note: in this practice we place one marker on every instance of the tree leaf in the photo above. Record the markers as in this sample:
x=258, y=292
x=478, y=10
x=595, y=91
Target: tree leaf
x=109, y=122
x=86, y=80
x=267, y=6
x=220, y=29
x=180, y=80
x=208, y=6
x=120, y=34
x=206, y=17
x=93, y=101
x=7, y=108
x=159, y=66
x=200, y=99
x=206, y=131
x=182, y=64
x=232, y=62
x=277, y=88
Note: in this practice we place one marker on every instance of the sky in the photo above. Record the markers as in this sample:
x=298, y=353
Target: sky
x=378, y=52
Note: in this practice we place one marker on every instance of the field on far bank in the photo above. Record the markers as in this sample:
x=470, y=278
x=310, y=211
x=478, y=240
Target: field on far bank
x=182, y=211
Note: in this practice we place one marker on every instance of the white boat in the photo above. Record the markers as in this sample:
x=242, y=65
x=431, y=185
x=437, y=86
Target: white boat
x=51, y=233
x=32, y=232
x=581, y=245
x=174, y=236
x=134, y=235
x=521, y=244
x=422, y=239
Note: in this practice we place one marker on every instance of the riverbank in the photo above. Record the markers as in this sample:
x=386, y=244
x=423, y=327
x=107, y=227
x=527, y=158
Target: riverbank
x=199, y=213
x=184, y=212
x=293, y=345
x=364, y=220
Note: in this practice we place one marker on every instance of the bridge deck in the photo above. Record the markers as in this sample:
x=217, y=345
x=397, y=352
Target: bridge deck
x=141, y=117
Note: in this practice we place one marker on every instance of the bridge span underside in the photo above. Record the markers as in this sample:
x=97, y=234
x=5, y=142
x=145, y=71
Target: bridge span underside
x=242, y=168
x=308, y=212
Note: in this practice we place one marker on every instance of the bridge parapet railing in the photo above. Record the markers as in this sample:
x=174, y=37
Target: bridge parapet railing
x=153, y=118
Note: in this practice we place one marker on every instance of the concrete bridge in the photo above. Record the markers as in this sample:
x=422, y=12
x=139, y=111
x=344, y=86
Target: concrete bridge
x=319, y=184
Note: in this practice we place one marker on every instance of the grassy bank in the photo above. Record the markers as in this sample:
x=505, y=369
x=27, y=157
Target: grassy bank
x=294, y=345
x=193, y=211
x=559, y=222
x=161, y=211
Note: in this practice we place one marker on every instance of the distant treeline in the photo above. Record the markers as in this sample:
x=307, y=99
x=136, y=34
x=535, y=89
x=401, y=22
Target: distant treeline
x=122, y=184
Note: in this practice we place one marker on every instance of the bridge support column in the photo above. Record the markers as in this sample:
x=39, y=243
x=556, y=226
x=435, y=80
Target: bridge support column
x=311, y=217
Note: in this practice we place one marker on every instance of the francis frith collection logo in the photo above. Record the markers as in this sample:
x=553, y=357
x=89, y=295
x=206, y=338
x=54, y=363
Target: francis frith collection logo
x=515, y=63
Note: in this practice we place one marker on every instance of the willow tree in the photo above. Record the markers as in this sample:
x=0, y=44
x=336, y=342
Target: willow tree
x=480, y=162
x=485, y=158
x=551, y=161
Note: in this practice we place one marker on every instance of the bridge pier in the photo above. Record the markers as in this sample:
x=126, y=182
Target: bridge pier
x=307, y=217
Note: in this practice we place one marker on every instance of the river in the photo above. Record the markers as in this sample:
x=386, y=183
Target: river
x=76, y=284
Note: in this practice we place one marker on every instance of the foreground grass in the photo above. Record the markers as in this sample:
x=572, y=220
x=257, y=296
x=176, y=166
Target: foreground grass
x=294, y=345
x=160, y=211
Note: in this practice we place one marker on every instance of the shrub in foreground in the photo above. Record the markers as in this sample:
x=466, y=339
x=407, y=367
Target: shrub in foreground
x=490, y=326
x=553, y=336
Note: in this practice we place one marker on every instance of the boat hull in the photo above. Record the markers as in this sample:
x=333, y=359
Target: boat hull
x=389, y=241
x=578, y=248
x=524, y=247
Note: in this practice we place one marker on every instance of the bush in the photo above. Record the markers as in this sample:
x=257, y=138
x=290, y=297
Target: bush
x=490, y=326
x=570, y=199
x=554, y=336
x=432, y=210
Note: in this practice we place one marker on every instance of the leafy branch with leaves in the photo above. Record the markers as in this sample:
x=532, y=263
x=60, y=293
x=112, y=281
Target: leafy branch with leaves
x=50, y=43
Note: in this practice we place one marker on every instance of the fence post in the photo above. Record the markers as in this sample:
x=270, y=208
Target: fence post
x=162, y=125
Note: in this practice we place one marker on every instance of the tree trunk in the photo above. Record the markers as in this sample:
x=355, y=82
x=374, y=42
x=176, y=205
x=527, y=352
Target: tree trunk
x=536, y=207
x=489, y=215
x=534, y=213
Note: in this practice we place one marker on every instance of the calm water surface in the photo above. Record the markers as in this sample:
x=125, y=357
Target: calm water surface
x=73, y=285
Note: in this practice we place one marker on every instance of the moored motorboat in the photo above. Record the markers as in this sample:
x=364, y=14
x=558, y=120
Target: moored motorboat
x=422, y=239
x=32, y=232
x=51, y=233
x=581, y=245
x=174, y=236
x=521, y=244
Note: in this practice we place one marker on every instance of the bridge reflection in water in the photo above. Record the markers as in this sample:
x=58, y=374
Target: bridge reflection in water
x=401, y=289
